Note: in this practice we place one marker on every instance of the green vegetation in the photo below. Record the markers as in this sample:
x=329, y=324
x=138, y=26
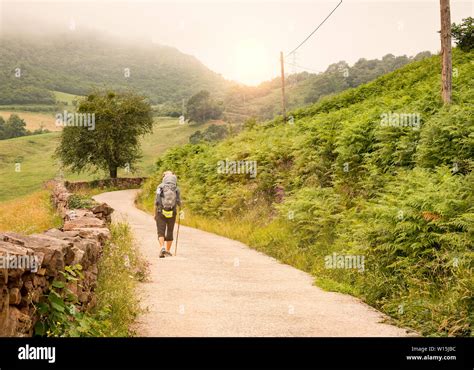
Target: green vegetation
x=345, y=179
x=34, y=153
x=264, y=101
x=66, y=99
x=13, y=127
x=33, y=67
x=212, y=134
x=121, y=267
x=112, y=138
x=463, y=34
x=25, y=163
x=61, y=314
x=201, y=108
x=16, y=127
x=77, y=201
x=54, y=70
x=59, y=310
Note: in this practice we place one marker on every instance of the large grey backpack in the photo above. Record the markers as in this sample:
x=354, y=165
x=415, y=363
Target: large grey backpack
x=168, y=192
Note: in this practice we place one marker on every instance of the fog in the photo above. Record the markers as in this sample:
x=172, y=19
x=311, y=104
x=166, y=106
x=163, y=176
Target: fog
x=242, y=39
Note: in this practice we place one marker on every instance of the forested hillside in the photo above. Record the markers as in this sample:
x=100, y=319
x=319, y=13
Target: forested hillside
x=264, y=100
x=382, y=171
x=32, y=67
x=42, y=71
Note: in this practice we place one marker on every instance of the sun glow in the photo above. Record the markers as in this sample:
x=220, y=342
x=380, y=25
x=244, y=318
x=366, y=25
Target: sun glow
x=251, y=63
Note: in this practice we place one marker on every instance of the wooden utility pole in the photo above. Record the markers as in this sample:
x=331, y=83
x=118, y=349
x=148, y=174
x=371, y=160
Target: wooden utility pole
x=447, y=68
x=283, y=100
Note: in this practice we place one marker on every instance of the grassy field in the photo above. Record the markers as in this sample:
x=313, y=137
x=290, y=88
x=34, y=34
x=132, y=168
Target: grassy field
x=29, y=214
x=40, y=116
x=65, y=97
x=34, y=120
x=34, y=153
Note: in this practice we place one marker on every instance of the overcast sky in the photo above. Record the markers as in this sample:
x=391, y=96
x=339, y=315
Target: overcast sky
x=242, y=39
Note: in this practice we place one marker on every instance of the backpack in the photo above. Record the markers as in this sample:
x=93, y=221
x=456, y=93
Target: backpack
x=168, y=193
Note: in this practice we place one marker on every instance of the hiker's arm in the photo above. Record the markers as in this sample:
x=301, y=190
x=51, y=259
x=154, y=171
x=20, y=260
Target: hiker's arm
x=178, y=197
x=158, y=199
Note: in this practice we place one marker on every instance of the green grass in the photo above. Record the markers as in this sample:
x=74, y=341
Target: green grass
x=120, y=268
x=40, y=108
x=65, y=97
x=37, y=165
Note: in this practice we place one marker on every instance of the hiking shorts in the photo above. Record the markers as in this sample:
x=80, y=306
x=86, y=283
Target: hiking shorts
x=165, y=226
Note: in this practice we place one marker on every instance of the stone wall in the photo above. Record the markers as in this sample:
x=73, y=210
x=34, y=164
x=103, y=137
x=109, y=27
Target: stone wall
x=120, y=183
x=34, y=261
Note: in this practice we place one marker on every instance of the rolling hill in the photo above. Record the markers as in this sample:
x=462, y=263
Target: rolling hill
x=34, y=67
x=46, y=73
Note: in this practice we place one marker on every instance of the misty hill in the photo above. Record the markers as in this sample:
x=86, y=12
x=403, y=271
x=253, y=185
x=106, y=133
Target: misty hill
x=303, y=88
x=52, y=66
x=76, y=62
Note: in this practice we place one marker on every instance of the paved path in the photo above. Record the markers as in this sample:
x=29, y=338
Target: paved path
x=220, y=287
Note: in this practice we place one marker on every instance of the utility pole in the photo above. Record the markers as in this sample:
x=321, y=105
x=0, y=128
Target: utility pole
x=447, y=68
x=283, y=100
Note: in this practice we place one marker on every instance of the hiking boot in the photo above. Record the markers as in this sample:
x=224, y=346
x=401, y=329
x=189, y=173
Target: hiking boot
x=168, y=254
x=163, y=253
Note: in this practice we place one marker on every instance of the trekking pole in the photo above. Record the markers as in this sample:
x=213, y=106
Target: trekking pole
x=177, y=234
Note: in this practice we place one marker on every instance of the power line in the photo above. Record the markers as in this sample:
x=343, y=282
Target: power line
x=301, y=67
x=312, y=33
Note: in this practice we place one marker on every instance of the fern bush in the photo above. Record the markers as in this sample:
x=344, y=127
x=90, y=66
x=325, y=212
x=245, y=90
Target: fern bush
x=418, y=238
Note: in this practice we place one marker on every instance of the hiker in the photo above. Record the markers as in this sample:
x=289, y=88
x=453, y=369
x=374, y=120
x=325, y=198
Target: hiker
x=167, y=198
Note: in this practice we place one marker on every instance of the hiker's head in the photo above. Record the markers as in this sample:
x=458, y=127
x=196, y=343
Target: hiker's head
x=167, y=173
x=169, y=177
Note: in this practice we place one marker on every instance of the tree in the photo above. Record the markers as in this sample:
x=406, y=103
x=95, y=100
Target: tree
x=201, y=108
x=2, y=129
x=15, y=126
x=463, y=34
x=447, y=67
x=212, y=134
x=113, y=141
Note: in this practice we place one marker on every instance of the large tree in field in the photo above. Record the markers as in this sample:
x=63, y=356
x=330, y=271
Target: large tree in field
x=113, y=140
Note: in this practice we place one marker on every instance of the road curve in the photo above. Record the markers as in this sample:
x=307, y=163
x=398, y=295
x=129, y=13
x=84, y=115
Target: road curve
x=220, y=287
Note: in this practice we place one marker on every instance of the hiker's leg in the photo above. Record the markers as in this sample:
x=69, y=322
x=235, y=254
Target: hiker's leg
x=169, y=232
x=160, y=228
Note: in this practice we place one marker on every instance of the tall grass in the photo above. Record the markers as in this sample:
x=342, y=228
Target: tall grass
x=29, y=214
x=120, y=268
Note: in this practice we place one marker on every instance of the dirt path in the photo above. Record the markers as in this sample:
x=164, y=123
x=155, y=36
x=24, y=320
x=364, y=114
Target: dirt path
x=221, y=287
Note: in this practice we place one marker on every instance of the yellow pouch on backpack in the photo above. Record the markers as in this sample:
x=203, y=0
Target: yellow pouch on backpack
x=167, y=214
